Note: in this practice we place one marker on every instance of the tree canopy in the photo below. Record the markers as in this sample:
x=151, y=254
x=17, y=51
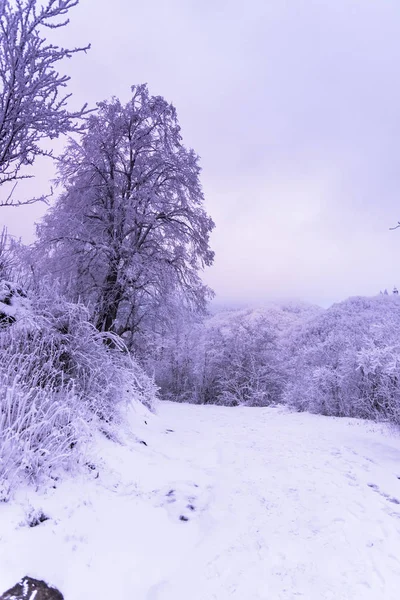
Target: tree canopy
x=130, y=231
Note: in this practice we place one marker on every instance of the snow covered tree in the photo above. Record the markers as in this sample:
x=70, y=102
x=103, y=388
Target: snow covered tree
x=242, y=360
x=176, y=355
x=233, y=357
x=345, y=362
x=32, y=107
x=130, y=230
x=6, y=258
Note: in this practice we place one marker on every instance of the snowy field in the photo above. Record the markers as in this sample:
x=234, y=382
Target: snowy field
x=243, y=503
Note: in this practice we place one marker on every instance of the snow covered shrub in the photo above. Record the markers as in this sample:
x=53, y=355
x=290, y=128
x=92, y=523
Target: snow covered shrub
x=56, y=376
x=14, y=304
x=346, y=361
x=34, y=517
x=64, y=345
x=39, y=430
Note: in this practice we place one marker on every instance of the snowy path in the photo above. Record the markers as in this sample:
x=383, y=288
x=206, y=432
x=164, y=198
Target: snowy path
x=250, y=504
x=300, y=506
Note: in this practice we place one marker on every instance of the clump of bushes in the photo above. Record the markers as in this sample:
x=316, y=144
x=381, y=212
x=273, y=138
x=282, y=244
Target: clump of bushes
x=58, y=379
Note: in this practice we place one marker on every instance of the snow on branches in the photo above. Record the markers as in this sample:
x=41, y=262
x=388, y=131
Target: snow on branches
x=33, y=106
x=346, y=361
x=130, y=230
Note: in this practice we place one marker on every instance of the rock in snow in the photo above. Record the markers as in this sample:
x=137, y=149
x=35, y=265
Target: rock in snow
x=32, y=589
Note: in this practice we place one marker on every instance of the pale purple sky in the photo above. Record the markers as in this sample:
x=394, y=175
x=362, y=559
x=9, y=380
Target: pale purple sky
x=294, y=108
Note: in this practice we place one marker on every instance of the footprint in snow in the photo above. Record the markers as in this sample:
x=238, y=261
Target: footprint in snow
x=182, y=500
x=387, y=497
x=392, y=499
x=171, y=497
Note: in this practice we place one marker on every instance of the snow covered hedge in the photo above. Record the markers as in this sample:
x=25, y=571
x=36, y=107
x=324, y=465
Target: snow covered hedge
x=57, y=377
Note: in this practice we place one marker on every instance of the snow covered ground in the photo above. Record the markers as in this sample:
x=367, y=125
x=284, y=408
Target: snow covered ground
x=243, y=503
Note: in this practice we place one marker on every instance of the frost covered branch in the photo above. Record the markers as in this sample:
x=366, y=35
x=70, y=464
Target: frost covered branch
x=32, y=105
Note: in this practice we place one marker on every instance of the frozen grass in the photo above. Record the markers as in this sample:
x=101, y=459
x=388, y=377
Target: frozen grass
x=39, y=432
x=59, y=381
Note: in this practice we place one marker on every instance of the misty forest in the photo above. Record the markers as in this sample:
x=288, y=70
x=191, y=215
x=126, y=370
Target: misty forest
x=156, y=443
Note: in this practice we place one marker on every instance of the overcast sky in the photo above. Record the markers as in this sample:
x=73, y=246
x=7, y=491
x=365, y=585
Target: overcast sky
x=294, y=108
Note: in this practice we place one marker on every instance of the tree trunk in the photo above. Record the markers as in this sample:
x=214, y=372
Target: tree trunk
x=109, y=302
